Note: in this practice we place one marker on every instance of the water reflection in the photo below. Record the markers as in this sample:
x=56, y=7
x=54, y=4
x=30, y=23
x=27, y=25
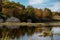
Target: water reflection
x=28, y=33
x=56, y=37
x=56, y=30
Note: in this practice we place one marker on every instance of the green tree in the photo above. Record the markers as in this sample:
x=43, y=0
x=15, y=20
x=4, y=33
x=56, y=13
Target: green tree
x=5, y=1
x=30, y=13
x=47, y=13
x=0, y=5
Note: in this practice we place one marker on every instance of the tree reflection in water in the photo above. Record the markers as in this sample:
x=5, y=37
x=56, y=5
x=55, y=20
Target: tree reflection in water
x=6, y=33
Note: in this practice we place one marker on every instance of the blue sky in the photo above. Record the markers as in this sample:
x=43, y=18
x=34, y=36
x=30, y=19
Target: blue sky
x=54, y=5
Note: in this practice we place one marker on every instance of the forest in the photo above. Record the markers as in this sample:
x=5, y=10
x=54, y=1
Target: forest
x=15, y=9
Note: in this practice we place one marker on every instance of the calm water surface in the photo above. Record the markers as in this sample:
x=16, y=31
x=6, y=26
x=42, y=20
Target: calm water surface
x=31, y=34
x=35, y=36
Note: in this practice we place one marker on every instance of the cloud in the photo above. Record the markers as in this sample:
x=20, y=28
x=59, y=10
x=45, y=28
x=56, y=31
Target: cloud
x=32, y=2
x=55, y=7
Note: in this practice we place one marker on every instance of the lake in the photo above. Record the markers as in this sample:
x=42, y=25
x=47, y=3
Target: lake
x=34, y=34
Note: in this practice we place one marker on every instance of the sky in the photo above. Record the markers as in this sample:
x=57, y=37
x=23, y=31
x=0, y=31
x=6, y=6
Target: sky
x=54, y=5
